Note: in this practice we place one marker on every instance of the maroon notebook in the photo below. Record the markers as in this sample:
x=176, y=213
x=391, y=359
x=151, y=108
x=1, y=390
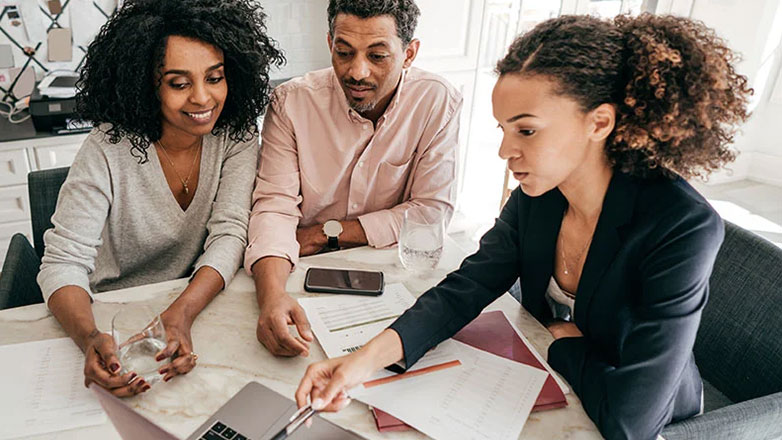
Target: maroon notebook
x=492, y=332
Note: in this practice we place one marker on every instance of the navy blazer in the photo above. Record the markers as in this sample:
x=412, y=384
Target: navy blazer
x=639, y=300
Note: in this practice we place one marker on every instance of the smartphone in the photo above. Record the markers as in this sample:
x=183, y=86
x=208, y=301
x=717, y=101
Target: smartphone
x=353, y=282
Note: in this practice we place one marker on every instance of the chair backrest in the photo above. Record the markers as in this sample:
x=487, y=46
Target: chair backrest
x=18, y=286
x=739, y=343
x=43, y=189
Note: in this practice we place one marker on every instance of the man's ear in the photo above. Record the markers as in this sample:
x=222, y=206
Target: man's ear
x=411, y=51
x=603, y=120
x=328, y=40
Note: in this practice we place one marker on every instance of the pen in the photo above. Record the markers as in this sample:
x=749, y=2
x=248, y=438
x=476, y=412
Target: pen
x=297, y=419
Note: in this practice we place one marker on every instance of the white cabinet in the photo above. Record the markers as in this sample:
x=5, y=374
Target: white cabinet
x=13, y=167
x=14, y=205
x=56, y=156
x=17, y=158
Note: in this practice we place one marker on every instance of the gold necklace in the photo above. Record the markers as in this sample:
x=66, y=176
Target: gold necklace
x=562, y=251
x=189, y=173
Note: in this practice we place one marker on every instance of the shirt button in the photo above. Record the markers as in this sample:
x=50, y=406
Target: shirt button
x=355, y=206
x=361, y=164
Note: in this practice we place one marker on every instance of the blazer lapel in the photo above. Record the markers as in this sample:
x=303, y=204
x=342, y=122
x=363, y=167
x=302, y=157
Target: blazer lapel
x=537, y=253
x=617, y=211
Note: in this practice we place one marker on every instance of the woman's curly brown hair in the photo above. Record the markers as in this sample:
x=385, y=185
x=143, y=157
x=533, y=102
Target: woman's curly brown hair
x=121, y=74
x=677, y=95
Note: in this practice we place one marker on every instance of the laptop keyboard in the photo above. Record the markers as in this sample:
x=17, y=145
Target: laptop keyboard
x=219, y=431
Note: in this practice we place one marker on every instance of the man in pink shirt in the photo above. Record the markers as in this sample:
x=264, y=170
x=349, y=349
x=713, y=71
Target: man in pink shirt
x=345, y=151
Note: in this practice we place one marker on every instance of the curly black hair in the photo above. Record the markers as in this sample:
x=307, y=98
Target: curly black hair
x=119, y=81
x=405, y=12
x=677, y=95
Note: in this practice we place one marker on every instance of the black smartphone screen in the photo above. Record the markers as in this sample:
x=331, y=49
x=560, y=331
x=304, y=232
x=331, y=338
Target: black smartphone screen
x=347, y=281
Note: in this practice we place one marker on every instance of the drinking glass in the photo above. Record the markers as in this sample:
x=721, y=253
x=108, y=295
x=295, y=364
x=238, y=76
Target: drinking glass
x=421, y=240
x=139, y=334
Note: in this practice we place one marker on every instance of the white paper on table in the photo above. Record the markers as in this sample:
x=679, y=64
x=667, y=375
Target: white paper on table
x=43, y=389
x=488, y=397
x=344, y=323
x=557, y=378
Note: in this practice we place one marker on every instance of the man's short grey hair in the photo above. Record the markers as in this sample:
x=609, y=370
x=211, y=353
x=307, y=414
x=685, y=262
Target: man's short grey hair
x=405, y=12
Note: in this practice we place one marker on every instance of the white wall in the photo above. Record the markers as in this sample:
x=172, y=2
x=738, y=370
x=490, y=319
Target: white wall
x=754, y=29
x=300, y=27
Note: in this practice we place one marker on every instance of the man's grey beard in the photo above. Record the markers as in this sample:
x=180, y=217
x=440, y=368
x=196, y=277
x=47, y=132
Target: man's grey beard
x=362, y=107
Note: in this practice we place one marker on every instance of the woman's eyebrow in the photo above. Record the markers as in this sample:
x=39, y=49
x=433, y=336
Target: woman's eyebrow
x=187, y=72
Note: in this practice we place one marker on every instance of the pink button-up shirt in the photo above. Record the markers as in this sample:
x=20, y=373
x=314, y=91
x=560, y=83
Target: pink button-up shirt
x=320, y=160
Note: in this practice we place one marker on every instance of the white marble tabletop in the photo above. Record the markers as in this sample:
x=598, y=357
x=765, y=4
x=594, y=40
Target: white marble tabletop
x=230, y=355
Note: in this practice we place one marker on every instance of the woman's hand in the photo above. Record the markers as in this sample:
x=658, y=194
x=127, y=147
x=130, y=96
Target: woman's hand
x=327, y=382
x=180, y=345
x=102, y=367
x=561, y=329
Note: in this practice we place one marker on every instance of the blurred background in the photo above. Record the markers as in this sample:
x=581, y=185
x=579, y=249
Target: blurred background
x=461, y=40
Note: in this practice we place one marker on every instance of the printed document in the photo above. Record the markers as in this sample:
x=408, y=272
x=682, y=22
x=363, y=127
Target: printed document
x=344, y=323
x=43, y=389
x=486, y=397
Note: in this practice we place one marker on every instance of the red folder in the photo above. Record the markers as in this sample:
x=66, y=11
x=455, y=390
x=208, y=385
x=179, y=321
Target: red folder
x=492, y=332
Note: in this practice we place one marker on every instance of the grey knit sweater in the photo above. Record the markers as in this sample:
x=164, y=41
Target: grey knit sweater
x=117, y=223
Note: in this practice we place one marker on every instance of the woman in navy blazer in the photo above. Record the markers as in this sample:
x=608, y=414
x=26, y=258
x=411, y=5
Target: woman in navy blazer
x=613, y=248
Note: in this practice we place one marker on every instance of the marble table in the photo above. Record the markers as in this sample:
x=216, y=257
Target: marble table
x=230, y=355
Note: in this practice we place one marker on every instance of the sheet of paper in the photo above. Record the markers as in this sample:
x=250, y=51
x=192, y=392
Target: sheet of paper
x=487, y=397
x=43, y=389
x=344, y=323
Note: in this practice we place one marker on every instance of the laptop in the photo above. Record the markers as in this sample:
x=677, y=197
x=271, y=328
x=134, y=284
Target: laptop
x=255, y=413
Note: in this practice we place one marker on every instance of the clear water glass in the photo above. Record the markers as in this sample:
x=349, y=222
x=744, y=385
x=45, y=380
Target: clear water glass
x=421, y=240
x=140, y=335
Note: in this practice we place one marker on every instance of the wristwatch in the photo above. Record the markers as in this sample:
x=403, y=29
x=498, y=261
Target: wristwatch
x=332, y=229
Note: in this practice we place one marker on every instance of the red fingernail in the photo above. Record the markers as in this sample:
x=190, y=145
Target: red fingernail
x=132, y=376
x=160, y=357
x=167, y=379
x=114, y=367
x=163, y=371
x=145, y=388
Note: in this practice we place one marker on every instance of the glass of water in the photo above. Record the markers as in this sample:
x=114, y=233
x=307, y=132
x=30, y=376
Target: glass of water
x=140, y=335
x=421, y=240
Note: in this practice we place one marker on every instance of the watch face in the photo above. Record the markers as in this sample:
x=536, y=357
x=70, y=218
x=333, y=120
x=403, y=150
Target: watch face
x=332, y=228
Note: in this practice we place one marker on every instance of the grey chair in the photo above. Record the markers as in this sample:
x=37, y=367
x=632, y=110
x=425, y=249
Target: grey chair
x=43, y=188
x=738, y=349
x=18, y=285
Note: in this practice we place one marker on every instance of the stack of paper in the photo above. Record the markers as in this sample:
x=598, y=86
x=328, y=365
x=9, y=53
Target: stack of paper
x=454, y=392
x=486, y=397
x=43, y=389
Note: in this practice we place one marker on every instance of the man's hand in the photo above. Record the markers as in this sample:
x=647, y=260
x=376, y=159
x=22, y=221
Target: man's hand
x=278, y=311
x=311, y=239
x=561, y=329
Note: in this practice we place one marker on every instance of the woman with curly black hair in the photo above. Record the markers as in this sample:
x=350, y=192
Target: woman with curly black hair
x=161, y=188
x=601, y=121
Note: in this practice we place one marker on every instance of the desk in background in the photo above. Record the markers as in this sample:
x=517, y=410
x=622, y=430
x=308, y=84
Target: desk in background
x=230, y=355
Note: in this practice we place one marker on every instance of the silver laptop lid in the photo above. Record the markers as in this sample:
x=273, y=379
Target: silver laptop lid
x=129, y=424
x=255, y=411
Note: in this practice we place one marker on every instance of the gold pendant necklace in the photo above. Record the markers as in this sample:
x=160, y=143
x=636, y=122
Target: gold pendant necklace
x=562, y=251
x=192, y=165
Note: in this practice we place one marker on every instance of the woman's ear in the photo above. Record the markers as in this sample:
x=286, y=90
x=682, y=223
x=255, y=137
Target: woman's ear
x=602, y=122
